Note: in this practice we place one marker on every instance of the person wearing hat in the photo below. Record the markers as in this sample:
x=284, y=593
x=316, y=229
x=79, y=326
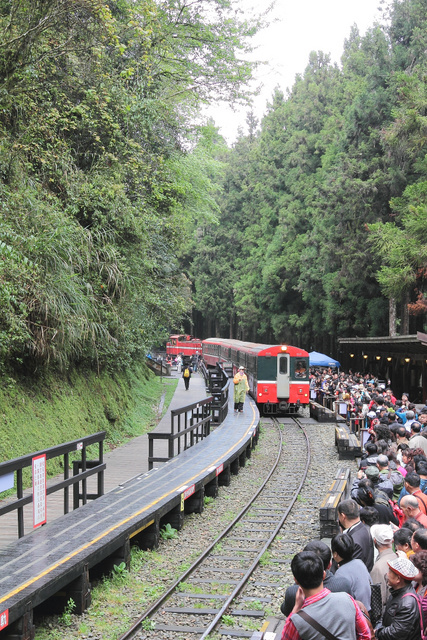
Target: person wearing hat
x=382, y=535
x=401, y=619
x=389, y=471
x=382, y=485
x=241, y=388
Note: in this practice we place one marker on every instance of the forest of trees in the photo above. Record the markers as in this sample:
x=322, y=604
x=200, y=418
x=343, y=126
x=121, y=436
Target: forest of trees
x=123, y=217
x=101, y=173
x=323, y=223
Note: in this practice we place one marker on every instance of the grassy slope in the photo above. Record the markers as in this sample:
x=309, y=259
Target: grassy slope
x=39, y=413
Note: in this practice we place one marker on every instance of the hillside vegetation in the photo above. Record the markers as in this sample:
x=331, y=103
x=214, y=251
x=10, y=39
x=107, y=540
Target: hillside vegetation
x=40, y=413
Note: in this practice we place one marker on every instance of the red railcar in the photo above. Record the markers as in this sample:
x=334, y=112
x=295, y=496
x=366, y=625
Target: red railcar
x=278, y=375
x=184, y=345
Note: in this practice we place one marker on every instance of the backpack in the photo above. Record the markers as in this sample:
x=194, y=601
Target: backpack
x=397, y=512
x=186, y=372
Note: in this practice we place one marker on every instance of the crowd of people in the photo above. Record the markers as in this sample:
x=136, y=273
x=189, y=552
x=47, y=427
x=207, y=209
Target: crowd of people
x=372, y=580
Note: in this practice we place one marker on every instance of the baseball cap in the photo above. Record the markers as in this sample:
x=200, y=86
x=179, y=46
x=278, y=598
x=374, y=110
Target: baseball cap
x=372, y=471
x=382, y=533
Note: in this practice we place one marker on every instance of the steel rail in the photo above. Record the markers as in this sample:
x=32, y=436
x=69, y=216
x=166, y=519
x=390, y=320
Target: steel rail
x=255, y=562
x=160, y=601
x=148, y=613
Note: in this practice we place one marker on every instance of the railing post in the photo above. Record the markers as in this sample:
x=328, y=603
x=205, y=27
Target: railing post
x=84, y=481
x=150, y=451
x=76, y=488
x=66, y=489
x=171, y=439
x=101, y=473
x=20, y=494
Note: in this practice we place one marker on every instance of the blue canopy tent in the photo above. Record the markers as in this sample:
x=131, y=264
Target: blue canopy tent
x=317, y=359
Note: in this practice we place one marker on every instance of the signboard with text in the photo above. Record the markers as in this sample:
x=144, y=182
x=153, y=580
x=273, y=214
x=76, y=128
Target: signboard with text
x=39, y=490
x=4, y=619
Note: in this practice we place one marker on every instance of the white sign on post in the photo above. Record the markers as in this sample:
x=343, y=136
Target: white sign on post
x=39, y=490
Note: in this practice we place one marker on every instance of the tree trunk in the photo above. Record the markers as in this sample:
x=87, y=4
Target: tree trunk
x=405, y=316
x=231, y=325
x=392, y=317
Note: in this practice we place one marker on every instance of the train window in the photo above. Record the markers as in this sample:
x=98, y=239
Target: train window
x=301, y=369
x=283, y=365
x=267, y=368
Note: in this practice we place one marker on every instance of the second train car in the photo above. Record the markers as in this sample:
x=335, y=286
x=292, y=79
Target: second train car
x=184, y=345
x=278, y=375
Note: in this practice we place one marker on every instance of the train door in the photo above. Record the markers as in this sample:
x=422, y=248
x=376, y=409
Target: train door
x=283, y=370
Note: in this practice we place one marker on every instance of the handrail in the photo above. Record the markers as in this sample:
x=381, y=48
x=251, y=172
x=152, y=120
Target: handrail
x=193, y=423
x=197, y=425
x=82, y=469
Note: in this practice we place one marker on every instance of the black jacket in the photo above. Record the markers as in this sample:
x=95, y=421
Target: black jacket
x=401, y=619
x=363, y=544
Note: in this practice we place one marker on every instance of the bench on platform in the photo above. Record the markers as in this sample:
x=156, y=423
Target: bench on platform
x=347, y=443
x=328, y=512
x=321, y=413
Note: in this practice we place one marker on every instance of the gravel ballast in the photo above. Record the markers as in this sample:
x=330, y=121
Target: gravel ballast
x=116, y=605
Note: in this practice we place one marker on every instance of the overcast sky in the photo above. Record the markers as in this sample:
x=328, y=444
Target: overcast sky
x=304, y=26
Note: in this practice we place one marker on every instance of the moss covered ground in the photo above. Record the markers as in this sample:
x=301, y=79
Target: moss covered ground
x=40, y=412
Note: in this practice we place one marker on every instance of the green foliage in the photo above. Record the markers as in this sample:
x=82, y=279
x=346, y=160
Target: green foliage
x=40, y=412
x=228, y=620
x=119, y=569
x=148, y=625
x=168, y=532
x=120, y=573
x=323, y=208
x=98, y=188
x=66, y=616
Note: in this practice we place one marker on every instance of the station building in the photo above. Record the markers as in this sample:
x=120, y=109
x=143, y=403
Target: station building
x=400, y=361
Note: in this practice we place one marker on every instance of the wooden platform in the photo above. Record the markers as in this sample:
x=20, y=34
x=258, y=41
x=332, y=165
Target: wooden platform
x=61, y=555
x=122, y=463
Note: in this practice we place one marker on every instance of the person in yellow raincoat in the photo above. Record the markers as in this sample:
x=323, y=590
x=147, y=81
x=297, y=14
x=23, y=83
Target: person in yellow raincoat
x=241, y=388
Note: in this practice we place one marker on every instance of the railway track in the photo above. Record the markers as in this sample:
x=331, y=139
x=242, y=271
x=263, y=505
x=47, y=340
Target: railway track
x=227, y=590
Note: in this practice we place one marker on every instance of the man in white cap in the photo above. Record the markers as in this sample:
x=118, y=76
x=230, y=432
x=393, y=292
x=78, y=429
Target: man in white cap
x=382, y=535
x=401, y=619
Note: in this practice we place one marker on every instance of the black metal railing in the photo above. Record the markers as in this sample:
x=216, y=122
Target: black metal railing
x=193, y=423
x=188, y=425
x=82, y=469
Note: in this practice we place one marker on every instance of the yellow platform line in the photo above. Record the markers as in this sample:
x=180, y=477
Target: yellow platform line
x=65, y=559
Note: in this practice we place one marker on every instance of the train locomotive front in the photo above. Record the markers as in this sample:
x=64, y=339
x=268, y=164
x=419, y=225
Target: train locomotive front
x=278, y=375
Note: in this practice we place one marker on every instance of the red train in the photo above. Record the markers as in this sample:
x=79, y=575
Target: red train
x=278, y=375
x=184, y=345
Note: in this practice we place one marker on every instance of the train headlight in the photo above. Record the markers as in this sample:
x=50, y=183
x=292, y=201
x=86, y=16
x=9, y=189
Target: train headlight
x=284, y=347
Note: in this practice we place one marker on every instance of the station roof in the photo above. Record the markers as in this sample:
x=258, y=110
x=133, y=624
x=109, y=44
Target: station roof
x=415, y=344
